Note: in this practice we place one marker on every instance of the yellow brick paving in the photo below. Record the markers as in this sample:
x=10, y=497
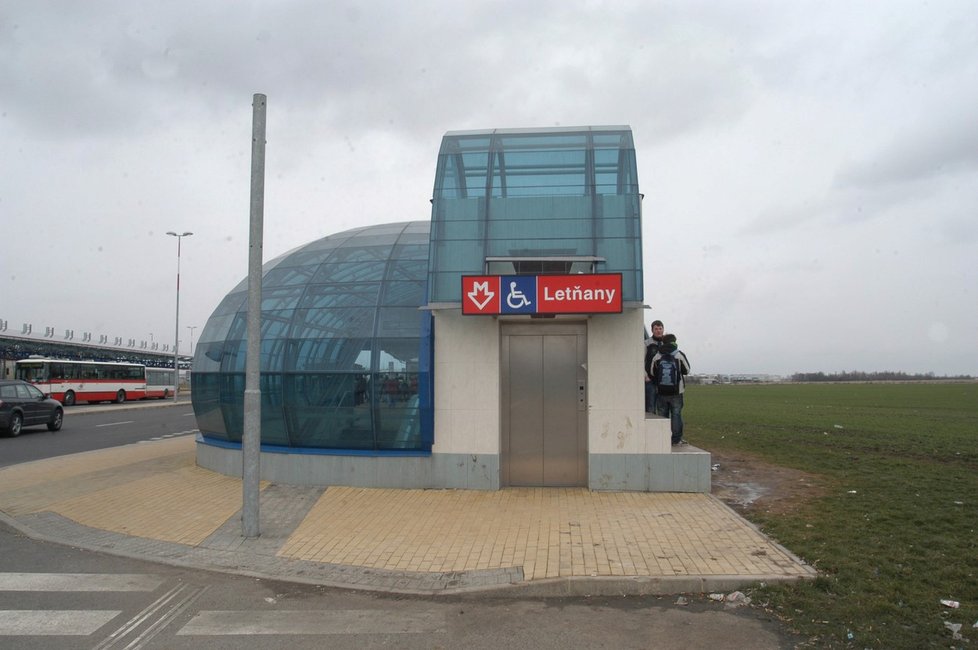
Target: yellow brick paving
x=156, y=491
x=550, y=533
x=152, y=490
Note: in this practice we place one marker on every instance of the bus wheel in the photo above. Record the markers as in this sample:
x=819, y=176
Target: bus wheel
x=120, y=397
x=69, y=399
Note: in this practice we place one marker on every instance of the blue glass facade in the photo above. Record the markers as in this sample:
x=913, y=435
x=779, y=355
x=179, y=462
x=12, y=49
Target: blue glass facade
x=556, y=200
x=342, y=355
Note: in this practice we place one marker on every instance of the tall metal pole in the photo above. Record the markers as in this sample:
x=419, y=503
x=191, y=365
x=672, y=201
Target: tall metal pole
x=251, y=438
x=176, y=337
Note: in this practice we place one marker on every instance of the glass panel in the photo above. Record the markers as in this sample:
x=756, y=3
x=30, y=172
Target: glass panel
x=457, y=229
x=323, y=411
x=288, y=276
x=400, y=322
x=207, y=357
x=349, y=322
x=232, y=404
x=541, y=247
x=403, y=293
x=330, y=354
x=399, y=420
x=279, y=298
x=398, y=355
x=465, y=256
x=409, y=269
x=412, y=246
x=235, y=354
x=336, y=296
x=359, y=254
x=447, y=287
x=349, y=272
x=207, y=408
x=232, y=303
x=273, y=429
x=217, y=328
x=276, y=324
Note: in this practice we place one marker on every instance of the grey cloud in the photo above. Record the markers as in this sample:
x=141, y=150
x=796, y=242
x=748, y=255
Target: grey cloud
x=944, y=146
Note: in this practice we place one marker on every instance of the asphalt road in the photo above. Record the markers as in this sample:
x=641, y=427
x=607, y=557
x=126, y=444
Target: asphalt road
x=56, y=597
x=98, y=427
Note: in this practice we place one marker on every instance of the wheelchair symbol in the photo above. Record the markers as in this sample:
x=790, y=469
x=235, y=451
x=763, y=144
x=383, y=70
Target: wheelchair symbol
x=516, y=298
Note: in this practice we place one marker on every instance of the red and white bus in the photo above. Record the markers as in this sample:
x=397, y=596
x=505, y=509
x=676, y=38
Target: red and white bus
x=84, y=381
x=159, y=383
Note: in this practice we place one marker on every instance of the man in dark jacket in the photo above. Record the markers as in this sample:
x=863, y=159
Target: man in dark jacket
x=651, y=349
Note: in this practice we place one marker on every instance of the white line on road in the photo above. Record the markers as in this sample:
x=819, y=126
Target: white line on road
x=36, y=622
x=78, y=582
x=114, y=424
x=350, y=621
x=167, y=436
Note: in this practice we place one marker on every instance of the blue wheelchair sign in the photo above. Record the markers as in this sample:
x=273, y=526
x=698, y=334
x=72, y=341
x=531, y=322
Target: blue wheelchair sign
x=519, y=294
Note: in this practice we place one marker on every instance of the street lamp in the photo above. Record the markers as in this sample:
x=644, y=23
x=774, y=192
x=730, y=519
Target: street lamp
x=176, y=336
x=191, y=328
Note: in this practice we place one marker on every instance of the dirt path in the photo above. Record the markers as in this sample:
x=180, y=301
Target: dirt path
x=747, y=483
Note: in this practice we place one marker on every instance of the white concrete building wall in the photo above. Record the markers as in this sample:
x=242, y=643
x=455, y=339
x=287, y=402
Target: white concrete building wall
x=616, y=392
x=466, y=384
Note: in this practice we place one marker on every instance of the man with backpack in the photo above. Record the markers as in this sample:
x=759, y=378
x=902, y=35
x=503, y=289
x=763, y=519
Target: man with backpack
x=668, y=370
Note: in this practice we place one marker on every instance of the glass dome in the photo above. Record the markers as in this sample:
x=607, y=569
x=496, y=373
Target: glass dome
x=345, y=349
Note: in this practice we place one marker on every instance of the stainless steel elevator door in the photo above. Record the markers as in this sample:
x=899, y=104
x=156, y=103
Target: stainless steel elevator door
x=544, y=405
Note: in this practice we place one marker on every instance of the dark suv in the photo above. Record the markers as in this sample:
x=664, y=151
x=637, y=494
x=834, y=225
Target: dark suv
x=23, y=405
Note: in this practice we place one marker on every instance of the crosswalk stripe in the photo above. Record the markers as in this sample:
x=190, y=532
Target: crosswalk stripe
x=61, y=622
x=349, y=621
x=79, y=582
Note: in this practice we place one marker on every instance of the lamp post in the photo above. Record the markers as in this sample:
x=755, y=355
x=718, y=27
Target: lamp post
x=191, y=328
x=176, y=336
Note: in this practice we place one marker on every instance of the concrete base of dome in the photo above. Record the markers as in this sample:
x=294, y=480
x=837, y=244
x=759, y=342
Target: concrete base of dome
x=684, y=470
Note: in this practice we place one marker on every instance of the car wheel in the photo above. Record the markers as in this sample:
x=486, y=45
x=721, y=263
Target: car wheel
x=16, y=424
x=120, y=397
x=69, y=399
x=57, y=419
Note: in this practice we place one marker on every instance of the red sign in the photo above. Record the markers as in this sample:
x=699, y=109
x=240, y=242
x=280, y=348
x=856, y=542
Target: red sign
x=542, y=294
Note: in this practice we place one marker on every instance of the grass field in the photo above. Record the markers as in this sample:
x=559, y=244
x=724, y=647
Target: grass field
x=894, y=529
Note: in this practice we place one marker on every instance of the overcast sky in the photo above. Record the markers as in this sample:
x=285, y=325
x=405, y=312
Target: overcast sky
x=810, y=169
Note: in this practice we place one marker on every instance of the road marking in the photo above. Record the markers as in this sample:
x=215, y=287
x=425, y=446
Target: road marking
x=78, y=582
x=114, y=424
x=167, y=607
x=349, y=621
x=191, y=414
x=48, y=622
x=166, y=436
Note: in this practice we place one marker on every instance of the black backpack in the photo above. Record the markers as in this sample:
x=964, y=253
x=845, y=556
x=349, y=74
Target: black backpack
x=667, y=374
